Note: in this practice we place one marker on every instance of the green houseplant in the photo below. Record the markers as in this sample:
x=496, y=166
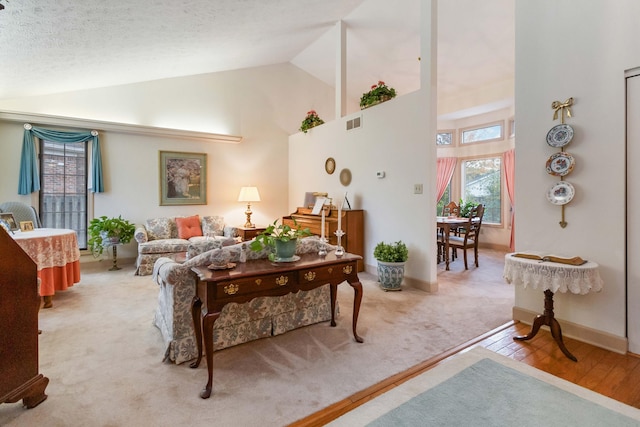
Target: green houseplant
x=312, y=120
x=104, y=231
x=378, y=93
x=391, y=259
x=281, y=239
x=465, y=208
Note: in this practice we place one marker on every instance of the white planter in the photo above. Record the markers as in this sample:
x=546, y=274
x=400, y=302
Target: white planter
x=390, y=275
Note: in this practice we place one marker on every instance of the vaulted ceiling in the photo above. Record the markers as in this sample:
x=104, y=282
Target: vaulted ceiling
x=66, y=45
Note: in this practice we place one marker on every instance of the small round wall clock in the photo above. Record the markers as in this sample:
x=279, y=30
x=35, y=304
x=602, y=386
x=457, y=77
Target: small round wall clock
x=330, y=165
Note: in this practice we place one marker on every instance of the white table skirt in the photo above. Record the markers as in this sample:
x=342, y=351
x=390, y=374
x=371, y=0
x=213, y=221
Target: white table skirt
x=552, y=276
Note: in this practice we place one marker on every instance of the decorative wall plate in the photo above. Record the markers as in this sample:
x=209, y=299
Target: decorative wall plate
x=330, y=165
x=561, y=193
x=560, y=135
x=560, y=164
x=345, y=177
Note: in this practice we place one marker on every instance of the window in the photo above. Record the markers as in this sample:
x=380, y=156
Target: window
x=492, y=132
x=63, y=187
x=444, y=138
x=481, y=183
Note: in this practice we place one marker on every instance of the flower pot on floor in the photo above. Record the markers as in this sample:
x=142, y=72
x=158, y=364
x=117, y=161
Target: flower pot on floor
x=390, y=275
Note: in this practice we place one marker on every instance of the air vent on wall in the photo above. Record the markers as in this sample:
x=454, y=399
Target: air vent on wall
x=354, y=123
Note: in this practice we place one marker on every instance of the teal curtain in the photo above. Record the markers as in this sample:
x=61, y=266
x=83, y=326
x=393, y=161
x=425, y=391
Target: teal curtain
x=29, y=180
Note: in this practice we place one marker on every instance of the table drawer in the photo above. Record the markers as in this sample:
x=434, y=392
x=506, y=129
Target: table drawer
x=326, y=273
x=251, y=285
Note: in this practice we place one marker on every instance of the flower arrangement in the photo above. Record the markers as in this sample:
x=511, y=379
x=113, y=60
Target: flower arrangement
x=312, y=120
x=378, y=93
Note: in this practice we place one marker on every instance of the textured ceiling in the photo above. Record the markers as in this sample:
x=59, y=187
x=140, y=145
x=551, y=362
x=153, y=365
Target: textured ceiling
x=64, y=45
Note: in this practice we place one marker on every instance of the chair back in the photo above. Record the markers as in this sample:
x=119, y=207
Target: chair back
x=451, y=209
x=22, y=212
x=471, y=229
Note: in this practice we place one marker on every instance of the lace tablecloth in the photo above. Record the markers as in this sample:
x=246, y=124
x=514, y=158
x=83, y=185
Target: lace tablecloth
x=552, y=276
x=56, y=254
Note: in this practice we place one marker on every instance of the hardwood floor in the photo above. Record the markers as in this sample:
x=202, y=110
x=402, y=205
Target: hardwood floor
x=611, y=374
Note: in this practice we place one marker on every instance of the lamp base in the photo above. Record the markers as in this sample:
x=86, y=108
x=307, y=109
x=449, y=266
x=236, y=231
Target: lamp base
x=248, y=214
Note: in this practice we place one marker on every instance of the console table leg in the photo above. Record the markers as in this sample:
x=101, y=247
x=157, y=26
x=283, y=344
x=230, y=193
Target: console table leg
x=207, y=329
x=333, y=290
x=357, y=300
x=196, y=314
x=548, y=319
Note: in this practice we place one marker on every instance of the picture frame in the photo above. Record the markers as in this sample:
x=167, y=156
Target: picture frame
x=183, y=178
x=10, y=219
x=26, y=225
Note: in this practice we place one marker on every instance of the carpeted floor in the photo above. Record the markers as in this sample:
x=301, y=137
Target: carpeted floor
x=103, y=356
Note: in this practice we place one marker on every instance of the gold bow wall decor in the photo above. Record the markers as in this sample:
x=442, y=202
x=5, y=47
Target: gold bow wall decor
x=560, y=106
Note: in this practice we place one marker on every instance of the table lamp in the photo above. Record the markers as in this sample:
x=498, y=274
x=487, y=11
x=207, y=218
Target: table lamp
x=249, y=194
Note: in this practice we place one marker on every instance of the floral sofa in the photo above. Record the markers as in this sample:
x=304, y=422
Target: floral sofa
x=171, y=237
x=238, y=323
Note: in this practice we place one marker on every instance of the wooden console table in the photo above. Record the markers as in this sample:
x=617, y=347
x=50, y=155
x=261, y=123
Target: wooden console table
x=262, y=277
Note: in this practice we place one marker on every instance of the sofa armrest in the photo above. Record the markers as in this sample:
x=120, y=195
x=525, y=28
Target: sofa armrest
x=140, y=234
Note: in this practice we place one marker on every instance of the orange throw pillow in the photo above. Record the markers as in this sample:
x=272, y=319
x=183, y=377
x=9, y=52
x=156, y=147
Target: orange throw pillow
x=189, y=227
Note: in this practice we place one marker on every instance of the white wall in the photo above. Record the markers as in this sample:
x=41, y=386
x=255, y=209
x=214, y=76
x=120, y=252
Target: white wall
x=264, y=105
x=389, y=141
x=575, y=49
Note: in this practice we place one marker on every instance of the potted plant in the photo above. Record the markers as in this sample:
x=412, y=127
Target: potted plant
x=312, y=120
x=465, y=208
x=104, y=231
x=391, y=259
x=378, y=93
x=281, y=239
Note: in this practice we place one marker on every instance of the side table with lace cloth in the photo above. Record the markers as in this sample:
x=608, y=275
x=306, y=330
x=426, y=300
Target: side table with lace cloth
x=564, y=276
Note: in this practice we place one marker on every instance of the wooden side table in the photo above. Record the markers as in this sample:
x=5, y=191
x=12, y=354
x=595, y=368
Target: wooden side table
x=249, y=233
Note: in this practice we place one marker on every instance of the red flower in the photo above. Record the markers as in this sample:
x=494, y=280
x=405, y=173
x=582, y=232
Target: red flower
x=373, y=86
x=380, y=83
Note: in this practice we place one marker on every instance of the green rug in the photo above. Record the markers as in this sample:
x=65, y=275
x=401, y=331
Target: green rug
x=490, y=393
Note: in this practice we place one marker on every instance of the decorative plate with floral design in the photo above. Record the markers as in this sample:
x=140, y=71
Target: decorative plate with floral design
x=560, y=135
x=560, y=164
x=561, y=193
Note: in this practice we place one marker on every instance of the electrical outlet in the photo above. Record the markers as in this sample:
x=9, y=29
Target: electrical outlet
x=417, y=188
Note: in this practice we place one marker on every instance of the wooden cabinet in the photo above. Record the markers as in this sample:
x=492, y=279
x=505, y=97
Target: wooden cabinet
x=19, y=304
x=352, y=224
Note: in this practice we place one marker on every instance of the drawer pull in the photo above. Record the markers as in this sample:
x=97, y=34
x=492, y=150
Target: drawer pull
x=282, y=280
x=347, y=269
x=258, y=282
x=231, y=289
x=310, y=275
x=330, y=270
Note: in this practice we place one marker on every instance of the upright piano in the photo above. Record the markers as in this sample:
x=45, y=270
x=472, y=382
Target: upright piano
x=352, y=224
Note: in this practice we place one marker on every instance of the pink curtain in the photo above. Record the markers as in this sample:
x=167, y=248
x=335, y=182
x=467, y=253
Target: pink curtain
x=509, y=158
x=444, y=167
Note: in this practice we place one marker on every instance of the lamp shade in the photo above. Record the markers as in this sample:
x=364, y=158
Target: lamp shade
x=249, y=194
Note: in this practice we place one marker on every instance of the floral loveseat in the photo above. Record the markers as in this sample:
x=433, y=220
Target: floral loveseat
x=171, y=237
x=238, y=323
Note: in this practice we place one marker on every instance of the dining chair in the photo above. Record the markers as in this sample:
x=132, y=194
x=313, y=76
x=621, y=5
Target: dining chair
x=451, y=209
x=469, y=237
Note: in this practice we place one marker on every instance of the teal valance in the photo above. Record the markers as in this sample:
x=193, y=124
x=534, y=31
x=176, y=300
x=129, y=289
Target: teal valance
x=29, y=180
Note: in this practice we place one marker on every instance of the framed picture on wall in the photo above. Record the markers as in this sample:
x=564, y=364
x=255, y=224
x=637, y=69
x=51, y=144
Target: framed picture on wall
x=183, y=178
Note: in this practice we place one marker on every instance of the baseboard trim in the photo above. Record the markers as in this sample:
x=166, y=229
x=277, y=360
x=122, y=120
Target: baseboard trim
x=579, y=332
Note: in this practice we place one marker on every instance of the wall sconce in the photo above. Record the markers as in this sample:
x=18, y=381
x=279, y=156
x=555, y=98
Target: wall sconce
x=249, y=194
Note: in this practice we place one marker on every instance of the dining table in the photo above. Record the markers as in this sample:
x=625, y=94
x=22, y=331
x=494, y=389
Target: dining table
x=444, y=226
x=57, y=256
